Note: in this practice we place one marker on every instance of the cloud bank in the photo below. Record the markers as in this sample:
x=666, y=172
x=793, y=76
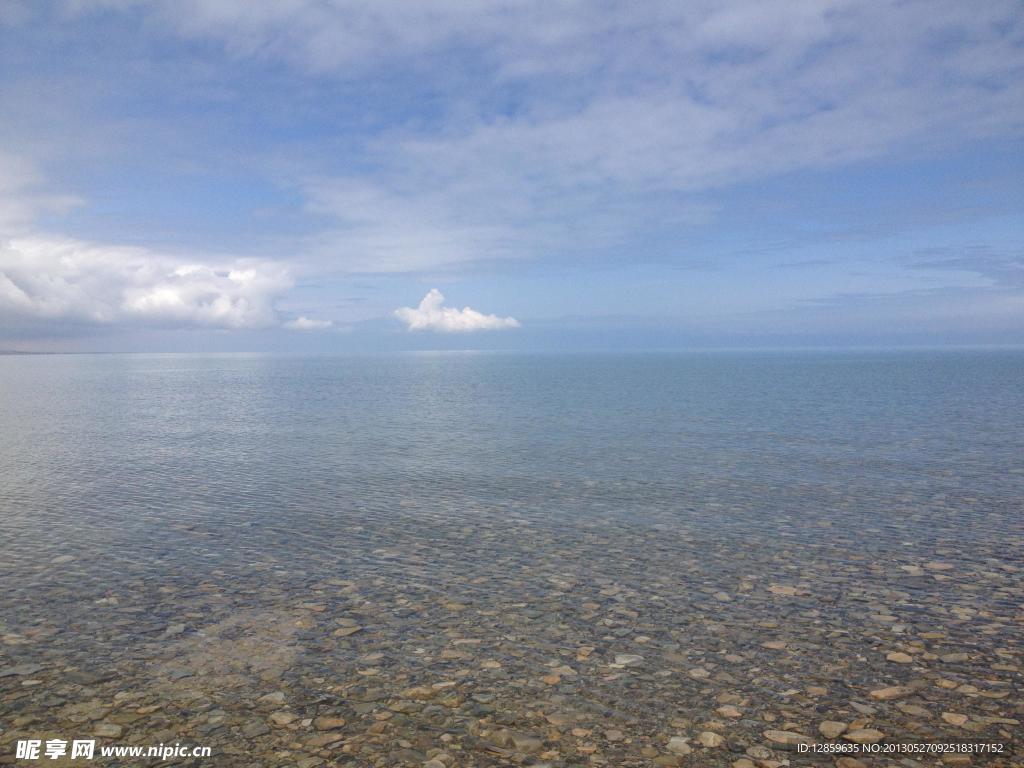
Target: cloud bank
x=66, y=279
x=430, y=315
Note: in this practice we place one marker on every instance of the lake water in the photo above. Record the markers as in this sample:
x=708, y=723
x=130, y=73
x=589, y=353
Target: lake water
x=490, y=559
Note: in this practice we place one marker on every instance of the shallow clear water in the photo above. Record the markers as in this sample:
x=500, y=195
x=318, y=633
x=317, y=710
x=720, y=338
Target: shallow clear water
x=633, y=504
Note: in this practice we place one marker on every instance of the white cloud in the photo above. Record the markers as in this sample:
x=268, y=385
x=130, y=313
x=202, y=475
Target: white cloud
x=59, y=278
x=302, y=323
x=45, y=277
x=431, y=315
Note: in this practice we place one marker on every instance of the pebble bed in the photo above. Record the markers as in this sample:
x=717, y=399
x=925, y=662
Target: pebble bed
x=474, y=637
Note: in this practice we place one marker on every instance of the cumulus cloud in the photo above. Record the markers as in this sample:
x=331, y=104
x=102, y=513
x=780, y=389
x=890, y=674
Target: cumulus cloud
x=59, y=278
x=431, y=315
x=302, y=323
x=45, y=277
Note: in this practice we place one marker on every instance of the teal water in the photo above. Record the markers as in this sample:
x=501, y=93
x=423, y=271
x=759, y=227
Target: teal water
x=118, y=446
x=107, y=453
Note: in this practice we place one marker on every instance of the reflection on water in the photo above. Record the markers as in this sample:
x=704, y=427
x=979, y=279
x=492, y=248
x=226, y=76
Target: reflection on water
x=496, y=559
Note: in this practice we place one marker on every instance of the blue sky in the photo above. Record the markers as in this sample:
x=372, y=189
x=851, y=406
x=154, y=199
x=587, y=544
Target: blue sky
x=217, y=174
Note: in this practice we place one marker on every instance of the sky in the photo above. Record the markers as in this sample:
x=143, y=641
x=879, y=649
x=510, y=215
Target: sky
x=332, y=175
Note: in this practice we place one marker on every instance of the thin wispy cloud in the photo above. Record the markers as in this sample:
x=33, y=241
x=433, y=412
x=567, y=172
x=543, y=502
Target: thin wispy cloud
x=432, y=315
x=24, y=195
x=768, y=88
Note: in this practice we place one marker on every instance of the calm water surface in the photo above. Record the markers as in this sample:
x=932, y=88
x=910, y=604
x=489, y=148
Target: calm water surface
x=183, y=535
